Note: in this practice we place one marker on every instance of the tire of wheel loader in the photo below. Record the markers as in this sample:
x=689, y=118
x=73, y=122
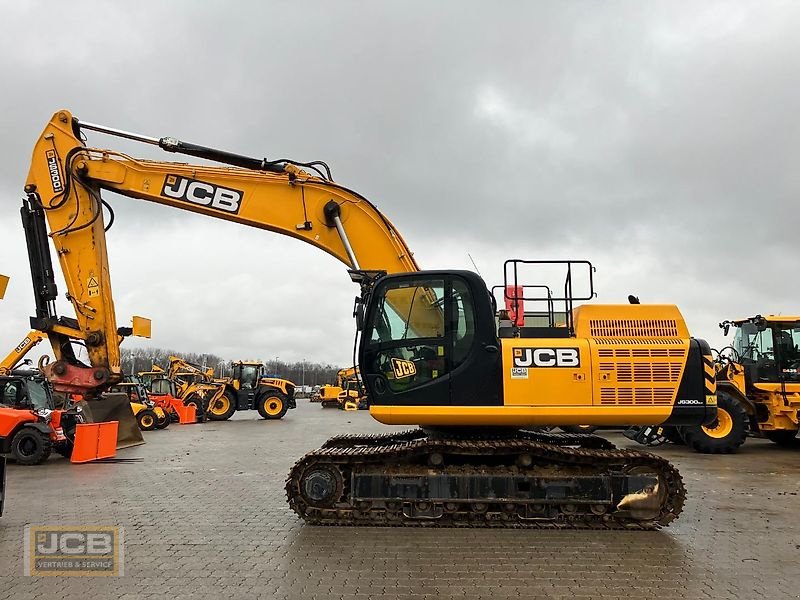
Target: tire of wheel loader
x=726, y=436
x=674, y=435
x=147, y=419
x=197, y=402
x=272, y=405
x=782, y=437
x=578, y=428
x=30, y=446
x=164, y=422
x=227, y=407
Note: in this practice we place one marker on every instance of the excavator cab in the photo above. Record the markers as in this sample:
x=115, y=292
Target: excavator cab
x=430, y=339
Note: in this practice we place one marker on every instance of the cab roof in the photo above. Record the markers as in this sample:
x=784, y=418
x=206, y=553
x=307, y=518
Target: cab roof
x=769, y=319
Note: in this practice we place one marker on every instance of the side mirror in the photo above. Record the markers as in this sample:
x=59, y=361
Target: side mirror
x=359, y=313
x=726, y=327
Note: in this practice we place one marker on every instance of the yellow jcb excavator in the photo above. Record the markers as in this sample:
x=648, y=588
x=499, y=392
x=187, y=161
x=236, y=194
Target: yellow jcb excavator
x=430, y=353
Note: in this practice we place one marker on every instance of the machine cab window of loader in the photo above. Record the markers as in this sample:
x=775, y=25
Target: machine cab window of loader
x=10, y=392
x=772, y=350
x=248, y=376
x=38, y=396
x=755, y=348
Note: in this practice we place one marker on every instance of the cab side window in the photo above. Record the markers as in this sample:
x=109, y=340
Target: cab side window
x=463, y=316
x=9, y=393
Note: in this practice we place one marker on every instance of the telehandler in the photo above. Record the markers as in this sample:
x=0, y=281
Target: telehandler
x=30, y=425
x=430, y=352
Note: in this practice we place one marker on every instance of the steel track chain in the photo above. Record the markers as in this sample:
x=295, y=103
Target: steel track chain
x=346, y=452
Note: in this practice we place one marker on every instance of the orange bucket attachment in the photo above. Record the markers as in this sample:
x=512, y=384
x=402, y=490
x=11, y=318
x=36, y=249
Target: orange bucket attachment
x=186, y=414
x=94, y=441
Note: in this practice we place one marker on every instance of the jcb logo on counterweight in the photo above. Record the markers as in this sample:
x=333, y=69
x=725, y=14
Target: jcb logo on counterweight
x=403, y=368
x=546, y=357
x=202, y=193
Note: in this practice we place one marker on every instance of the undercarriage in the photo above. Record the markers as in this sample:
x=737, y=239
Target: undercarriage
x=518, y=479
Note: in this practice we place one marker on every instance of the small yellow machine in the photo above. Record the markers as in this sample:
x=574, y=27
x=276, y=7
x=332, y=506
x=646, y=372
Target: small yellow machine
x=342, y=391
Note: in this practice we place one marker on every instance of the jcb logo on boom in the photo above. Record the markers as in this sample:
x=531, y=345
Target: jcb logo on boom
x=55, y=171
x=22, y=345
x=403, y=368
x=547, y=357
x=202, y=193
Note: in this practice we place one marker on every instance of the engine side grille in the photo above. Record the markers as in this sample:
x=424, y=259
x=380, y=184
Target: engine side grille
x=639, y=395
x=633, y=328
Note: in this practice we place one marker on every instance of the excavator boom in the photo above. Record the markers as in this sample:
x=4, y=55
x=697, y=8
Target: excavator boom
x=66, y=177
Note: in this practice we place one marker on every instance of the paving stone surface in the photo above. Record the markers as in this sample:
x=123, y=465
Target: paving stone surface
x=204, y=516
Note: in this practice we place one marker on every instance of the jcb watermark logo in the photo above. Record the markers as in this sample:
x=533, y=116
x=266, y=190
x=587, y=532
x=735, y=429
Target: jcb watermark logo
x=74, y=550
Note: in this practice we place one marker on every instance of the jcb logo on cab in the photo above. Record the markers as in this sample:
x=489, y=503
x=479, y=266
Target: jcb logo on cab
x=403, y=368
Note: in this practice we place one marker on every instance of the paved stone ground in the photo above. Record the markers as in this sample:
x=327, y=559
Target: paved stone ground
x=205, y=516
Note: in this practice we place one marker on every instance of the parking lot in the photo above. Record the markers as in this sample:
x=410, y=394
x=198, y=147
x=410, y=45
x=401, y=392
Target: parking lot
x=204, y=515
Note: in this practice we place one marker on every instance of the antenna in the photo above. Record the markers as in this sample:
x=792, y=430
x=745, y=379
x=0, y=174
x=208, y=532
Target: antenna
x=473, y=264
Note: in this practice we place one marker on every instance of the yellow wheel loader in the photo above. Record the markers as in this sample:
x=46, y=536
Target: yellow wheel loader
x=247, y=389
x=758, y=387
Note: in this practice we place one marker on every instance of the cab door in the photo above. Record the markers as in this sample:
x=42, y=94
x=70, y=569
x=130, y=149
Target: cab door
x=404, y=358
x=429, y=340
x=786, y=350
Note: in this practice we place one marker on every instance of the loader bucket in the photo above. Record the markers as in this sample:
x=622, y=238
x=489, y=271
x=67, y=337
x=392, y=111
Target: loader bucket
x=94, y=441
x=114, y=406
x=186, y=414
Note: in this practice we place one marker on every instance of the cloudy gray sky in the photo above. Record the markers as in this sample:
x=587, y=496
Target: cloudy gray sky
x=658, y=140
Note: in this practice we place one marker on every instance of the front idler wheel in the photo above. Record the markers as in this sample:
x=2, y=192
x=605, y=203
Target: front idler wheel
x=321, y=486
